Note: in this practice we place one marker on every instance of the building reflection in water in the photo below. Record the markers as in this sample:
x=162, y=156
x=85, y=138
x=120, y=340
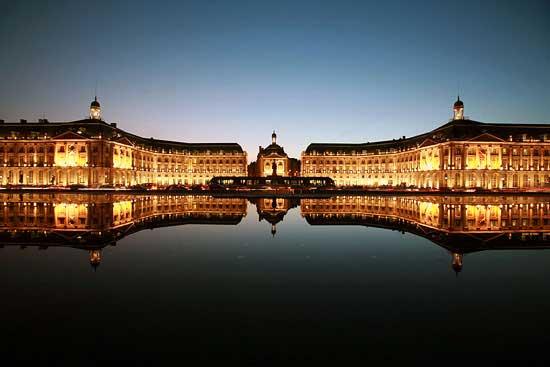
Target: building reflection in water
x=459, y=224
x=92, y=222
x=273, y=210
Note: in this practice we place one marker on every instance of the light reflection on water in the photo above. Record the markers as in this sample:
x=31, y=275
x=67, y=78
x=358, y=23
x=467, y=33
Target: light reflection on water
x=286, y=273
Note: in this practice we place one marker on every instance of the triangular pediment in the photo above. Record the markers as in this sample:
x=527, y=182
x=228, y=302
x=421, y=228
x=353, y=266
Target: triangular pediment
x=124, y=140
x=69, y=135
x=427, y=142
x=274, y=155
x=486, y=137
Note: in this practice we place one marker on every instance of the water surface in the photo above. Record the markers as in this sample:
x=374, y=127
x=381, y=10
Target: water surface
x=142, y=279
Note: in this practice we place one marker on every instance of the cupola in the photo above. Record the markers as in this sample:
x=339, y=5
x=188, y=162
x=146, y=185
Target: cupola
x=95, y=110
x=458, y=110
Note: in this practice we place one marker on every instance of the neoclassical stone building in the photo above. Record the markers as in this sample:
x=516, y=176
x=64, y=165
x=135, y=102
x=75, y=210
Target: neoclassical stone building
x=460, y=154
x=93, y=153
x=273, y=160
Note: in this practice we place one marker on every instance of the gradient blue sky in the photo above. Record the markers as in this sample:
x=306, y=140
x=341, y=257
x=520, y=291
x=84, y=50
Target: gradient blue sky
x=316, y=71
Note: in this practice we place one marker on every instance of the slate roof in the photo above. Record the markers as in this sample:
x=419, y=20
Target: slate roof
x=456, y=130
x=89, y=128
x=273, y=149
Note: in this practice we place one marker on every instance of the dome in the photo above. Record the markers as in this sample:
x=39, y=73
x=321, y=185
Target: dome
x=458, y=103
x=274, y=149
x=94, y=103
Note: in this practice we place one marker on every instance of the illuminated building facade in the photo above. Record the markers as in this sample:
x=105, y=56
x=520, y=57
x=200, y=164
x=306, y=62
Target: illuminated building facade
x=94, y=153
x=272, y=160
x=460, y=154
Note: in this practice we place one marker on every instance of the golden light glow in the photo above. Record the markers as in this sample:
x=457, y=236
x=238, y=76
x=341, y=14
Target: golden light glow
x=465, y=215
x=122, y=212
x=95, y=113
x=457, y=165
x=67, y=215
x=429, y=160
x=122, y=157
x=428, y=213
x=95, y=257
x=70, y=154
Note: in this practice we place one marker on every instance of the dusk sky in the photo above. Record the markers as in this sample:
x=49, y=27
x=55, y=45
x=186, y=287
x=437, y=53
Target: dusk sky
x=232, y=71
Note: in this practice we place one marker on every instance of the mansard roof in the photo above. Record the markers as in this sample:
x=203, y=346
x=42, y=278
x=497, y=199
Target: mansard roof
x=456, y=130
x=91, y=129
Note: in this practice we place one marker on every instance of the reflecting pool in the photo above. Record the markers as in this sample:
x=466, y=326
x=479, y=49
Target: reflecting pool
x=144, y=279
